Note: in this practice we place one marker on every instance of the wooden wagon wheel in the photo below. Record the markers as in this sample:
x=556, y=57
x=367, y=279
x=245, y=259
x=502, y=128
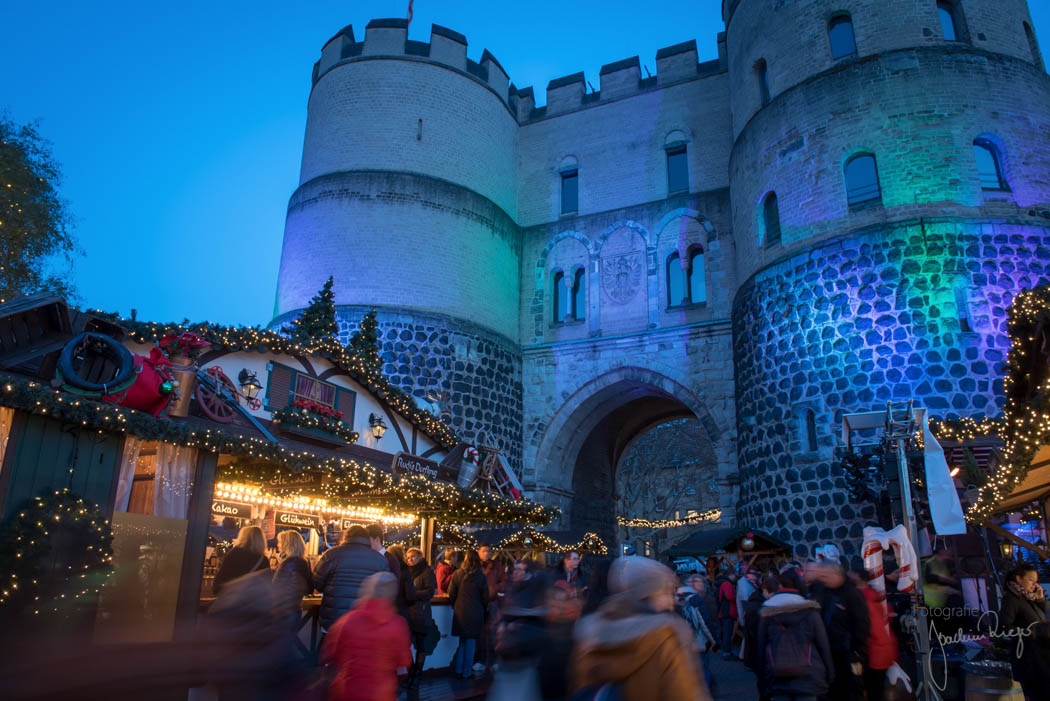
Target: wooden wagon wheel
x=214, y=405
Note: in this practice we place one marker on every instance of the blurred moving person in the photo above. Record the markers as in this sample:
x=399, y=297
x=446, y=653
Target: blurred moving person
x=634, y=646
x=368, y=644
x=496, y=577
x=247, y=555
x=521, y=635
x=342, y=569
x=845, y=615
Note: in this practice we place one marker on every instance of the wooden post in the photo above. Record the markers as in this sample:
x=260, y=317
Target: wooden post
x=426, y=539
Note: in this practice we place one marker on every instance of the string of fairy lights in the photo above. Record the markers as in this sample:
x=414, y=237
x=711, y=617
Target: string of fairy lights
x=531, y=539
x=251, y=494
x=254, y=339
x=1024, y=425
x=711, y=515
x=266, y=461
x=305, y=419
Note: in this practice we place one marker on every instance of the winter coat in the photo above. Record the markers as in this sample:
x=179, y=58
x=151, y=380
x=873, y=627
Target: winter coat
x=787, y=610
x=469, y=594
x=419, y=614
x=406, y=594
x=646, y=655
x=882, y=643
x=292, y=581
x=237, y=563
x=575, y=583
x=367, y=646
x=751, y=618
x=339, y=573
x=496, y=577
x=443, y=572
x=392, y=562
x=848, y=626
x=727, y=600
x=1034, y=661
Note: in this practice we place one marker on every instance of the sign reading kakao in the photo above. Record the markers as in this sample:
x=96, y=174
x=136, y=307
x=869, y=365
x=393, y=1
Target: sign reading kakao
x=294, y=520
x=231, y=509
x=404, y=462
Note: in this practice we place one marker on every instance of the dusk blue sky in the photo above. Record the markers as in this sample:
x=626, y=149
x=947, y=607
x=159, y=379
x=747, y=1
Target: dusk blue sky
x=179, y=127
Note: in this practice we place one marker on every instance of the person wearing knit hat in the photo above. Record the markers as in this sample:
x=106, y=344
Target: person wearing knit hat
x=368, y=644
x=634, y=642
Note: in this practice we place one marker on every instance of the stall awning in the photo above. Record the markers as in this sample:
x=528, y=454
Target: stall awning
x=726, y=540
x=1034, y=487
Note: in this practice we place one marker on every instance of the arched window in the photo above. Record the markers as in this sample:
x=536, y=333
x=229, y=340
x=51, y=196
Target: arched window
x=558, y=300
x=989, y=171
x=697, y=283
x=811, y=431
x=1033, y=45
x=771, y=219
x=948, y=13
x=579, y=295
x=762, y=76
x=862, y=179
x=676, y=282
x=840, y=36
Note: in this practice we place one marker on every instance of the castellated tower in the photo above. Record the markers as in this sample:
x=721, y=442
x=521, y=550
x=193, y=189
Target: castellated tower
x=889, y=176
x=407, y=196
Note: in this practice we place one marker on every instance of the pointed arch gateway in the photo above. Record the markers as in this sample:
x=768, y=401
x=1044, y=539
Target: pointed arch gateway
x=577, y=453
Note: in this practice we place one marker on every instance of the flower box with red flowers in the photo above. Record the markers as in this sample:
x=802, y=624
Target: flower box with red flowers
x=308, y=419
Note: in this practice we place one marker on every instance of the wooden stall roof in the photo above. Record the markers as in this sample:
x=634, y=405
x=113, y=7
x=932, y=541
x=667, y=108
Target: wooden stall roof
x=725, y=540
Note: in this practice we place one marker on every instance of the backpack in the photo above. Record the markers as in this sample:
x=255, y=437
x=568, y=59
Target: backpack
x=788, y=653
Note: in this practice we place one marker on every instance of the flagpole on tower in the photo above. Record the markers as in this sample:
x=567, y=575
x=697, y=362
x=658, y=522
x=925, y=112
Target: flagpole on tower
x=409, y=18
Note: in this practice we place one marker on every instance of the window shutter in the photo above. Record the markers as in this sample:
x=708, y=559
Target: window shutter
x=279, y=387
x=344, y=403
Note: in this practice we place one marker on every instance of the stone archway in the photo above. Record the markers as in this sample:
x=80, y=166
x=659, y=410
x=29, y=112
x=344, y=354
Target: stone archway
x=576, y=454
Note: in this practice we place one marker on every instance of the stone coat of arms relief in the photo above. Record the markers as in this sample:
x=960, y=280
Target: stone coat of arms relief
x=622, y=276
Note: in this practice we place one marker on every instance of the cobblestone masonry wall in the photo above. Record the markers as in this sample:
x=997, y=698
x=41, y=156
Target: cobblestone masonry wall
x=914, y=311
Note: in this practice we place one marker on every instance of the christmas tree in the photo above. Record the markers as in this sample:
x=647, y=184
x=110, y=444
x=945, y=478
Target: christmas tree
x=365, y=341
x=318, y=319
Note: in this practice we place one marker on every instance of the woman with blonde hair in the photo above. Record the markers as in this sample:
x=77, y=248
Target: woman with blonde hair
x=247, y=555
x=293, y=579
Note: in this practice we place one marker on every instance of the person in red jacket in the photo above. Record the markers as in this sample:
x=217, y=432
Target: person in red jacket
x=444, y=571
x=883, y=649
x=368, y=644
x=727, y=612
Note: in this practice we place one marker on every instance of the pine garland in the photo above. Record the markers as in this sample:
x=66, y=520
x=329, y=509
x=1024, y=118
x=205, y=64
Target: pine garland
x=34, y=585
x=292, y=415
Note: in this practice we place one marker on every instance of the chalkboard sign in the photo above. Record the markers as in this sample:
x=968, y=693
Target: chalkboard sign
x=290, y=519
x=231, y=509
x=405, y=462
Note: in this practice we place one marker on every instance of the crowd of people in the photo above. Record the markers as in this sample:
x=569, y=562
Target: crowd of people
x=627, y=628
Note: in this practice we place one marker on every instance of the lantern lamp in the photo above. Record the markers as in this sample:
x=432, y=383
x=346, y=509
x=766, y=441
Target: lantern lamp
x=378, y=425
x=1007, y=549
x=250, y=385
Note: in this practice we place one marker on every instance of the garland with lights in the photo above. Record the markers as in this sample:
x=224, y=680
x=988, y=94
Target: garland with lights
x=530, y=538
x=269, y=461
x=31, y=582
x=357, y=361
x=300, y=415
x=1024, y=425
x=712, y=515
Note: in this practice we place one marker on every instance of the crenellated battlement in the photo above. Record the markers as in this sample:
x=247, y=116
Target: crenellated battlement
x=389, y=38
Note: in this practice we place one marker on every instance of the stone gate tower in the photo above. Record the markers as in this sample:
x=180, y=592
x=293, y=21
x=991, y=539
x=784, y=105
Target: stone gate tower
x=889, y=181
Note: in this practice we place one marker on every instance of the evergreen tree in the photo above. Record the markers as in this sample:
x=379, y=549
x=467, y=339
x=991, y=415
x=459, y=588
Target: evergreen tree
x=365, y=341
x=318, y=319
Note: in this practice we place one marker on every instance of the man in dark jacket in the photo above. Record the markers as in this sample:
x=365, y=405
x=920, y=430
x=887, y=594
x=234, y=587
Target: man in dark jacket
x=342, y=569
x=845, y=613
x=796, y=659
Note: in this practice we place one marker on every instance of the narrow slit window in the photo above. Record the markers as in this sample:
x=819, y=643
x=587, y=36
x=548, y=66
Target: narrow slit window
x=579, y=296
x=677, y=170
x=949, y=25
x=840, y=36
x=771, y=219
x=989, y=171
x=570, y=192
x=862, y=180
x=811, y=431
x=962, y=310
x=558, y=300
x=697, y=283
x=676, y=291
x=762, y=76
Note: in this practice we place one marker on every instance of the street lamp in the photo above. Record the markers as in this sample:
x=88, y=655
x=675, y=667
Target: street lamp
x=378, y=426
x=1007, y=549
x=250, y=385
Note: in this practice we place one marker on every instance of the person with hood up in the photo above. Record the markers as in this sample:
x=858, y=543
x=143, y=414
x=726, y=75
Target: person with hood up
x=635, y=643
x=368, y=644
x=796, y=659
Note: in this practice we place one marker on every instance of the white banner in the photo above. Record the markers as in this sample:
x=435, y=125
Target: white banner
x=945, y=508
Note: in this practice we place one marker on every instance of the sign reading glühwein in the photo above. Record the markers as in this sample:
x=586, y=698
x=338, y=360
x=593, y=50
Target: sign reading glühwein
x=294, y=520
x=404, y=462
x=231, y=509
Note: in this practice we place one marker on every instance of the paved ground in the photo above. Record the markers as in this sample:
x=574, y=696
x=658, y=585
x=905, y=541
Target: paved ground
x=733, y=682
